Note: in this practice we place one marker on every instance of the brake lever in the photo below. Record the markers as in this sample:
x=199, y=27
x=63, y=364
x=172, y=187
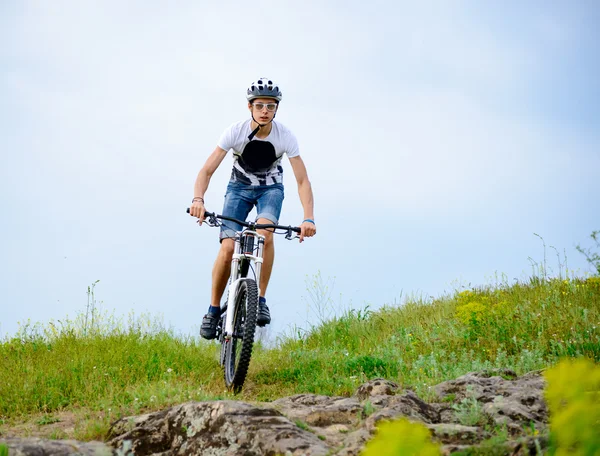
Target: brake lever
x=212, y=221
x=291, y=234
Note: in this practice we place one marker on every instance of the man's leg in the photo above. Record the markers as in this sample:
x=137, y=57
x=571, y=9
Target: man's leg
x=268, y=210
x=264, y=316
x=236, y=205
x=220, y=276
x=268, y=257
x=221, y=271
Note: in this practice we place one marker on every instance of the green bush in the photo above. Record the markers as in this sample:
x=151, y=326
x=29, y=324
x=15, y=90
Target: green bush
x=401, y=437
x=573, y=397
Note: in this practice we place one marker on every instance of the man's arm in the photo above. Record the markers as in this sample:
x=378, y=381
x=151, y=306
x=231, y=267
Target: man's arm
x=309, y=229
x=203, y=179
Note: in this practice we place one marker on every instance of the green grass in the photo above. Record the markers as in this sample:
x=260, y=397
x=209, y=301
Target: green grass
x=523, y=327
x=494, y=446
x=302, y=425
x=47, y=419
x=113, y=369
x=470, y=412
x=110, y=369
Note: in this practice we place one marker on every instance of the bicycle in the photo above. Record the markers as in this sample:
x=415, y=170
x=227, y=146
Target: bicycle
x=236, y=328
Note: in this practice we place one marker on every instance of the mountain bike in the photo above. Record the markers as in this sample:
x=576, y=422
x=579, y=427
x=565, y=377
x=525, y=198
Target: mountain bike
x=237, y=323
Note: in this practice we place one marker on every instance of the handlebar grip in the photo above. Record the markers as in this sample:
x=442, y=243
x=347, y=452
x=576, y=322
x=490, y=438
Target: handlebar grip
x=206, y=213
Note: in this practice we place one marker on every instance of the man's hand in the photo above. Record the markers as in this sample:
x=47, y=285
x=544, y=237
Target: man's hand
x=307, y=229
x=197, y=210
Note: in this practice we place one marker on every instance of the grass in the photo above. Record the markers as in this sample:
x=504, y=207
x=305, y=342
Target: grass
x=469, y=411
x=523, y=327
x=494, y=446
x=368, y=409
x=302, y=425
x=113, y=368
x=47, y=419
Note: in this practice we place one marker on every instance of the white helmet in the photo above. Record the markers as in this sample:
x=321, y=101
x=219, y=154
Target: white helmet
x=263, y=88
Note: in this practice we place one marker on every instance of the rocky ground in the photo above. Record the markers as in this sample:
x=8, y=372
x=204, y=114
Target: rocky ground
x=468, y=411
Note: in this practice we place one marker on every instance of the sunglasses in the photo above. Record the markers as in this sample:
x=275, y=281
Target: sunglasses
x=270, y=106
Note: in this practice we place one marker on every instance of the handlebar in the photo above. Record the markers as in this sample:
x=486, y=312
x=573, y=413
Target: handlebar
x=251, y=225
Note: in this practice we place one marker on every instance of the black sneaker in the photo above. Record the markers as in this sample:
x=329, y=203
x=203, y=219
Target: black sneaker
x=264, y=316
x=208, y=330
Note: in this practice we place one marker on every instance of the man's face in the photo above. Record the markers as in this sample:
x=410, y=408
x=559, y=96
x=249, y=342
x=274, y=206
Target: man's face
x=263, y=109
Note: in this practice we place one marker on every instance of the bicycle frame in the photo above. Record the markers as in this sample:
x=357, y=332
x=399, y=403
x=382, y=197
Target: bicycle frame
x=236, y=279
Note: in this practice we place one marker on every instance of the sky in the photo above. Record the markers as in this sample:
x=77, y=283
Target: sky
x=447, y=142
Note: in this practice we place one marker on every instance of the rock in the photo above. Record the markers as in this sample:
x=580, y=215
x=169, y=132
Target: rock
x=457, y=434
x=480, y=385
x=310, y=424
x=44, y=447
x=447, y=413
x=447, y=450
x=215, y=428
x=331, y=417
x=515, y=403
x=376, y=387
x=320, y=410
x=354, y=443
x=408, y=405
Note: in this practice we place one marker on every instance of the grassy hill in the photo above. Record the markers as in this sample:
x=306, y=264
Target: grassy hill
x=107, y=368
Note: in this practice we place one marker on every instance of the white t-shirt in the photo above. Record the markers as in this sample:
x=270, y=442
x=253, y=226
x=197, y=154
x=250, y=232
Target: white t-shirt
x=258, y=162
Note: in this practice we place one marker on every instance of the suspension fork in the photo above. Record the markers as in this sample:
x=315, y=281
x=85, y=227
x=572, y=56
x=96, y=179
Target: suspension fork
x=235, y=275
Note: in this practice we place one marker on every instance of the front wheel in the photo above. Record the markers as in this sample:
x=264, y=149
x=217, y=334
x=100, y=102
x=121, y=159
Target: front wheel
x=238, y=349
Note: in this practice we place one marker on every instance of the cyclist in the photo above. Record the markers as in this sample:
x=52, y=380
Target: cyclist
x=258, y=145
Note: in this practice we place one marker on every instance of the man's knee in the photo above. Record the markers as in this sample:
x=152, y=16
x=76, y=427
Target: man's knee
x=227, y=247
x=268, y=236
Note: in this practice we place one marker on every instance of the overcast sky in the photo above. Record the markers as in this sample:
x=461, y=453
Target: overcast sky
x=439, y=136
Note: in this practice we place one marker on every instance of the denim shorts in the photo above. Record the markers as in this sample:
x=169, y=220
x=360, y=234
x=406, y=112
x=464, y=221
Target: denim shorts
x=241, y=198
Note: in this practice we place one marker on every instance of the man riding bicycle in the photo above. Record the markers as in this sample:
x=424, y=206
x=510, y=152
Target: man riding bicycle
x=258, y=145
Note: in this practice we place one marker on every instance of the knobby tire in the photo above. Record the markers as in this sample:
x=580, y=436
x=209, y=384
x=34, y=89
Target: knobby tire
x=238, y=349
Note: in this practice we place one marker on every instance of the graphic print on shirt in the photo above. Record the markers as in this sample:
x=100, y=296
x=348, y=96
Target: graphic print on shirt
x=258, y=156
x=256, y=160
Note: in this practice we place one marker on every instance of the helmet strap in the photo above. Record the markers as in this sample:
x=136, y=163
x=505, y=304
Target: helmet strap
x=255, y=131
x=253, y=134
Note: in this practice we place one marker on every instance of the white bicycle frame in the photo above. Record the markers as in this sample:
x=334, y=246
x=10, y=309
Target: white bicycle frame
x=236, y=279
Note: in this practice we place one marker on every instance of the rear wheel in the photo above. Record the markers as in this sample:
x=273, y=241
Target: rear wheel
x=238, y=349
